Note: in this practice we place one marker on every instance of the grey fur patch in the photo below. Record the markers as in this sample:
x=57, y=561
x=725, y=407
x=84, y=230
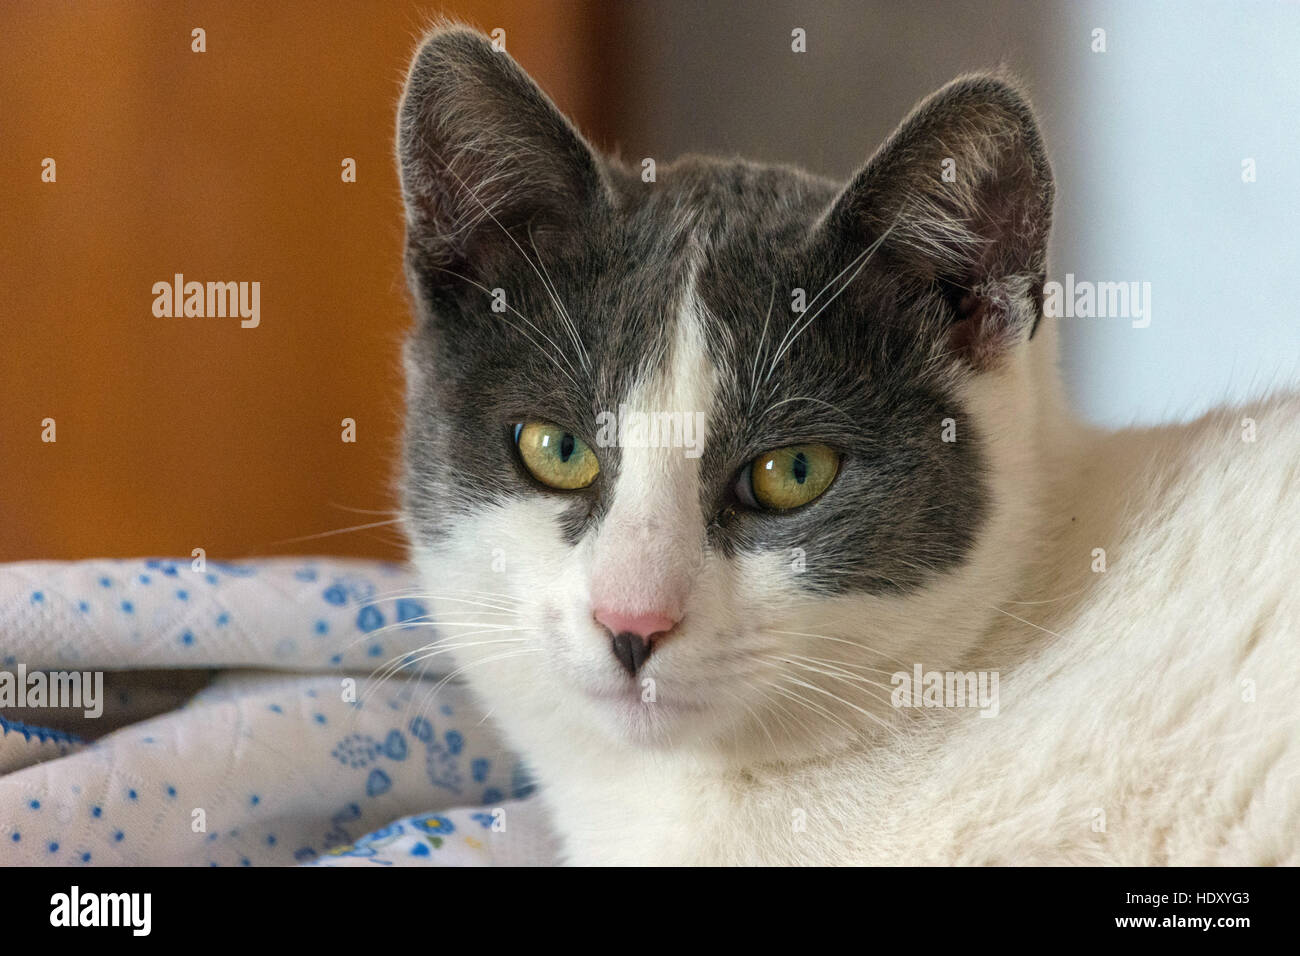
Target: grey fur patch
x=913, y=283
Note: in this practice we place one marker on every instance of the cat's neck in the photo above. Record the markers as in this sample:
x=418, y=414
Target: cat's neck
x=1037, y=450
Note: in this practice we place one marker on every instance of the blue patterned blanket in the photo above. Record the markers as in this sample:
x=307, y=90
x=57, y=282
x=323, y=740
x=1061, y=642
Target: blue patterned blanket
x=189, y=712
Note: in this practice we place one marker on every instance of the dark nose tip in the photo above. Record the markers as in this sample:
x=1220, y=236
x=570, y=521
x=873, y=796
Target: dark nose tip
x=632, y=650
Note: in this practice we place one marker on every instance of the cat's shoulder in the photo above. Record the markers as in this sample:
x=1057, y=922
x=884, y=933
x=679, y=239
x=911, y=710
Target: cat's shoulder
x=1157, y=711
x=1228, y=481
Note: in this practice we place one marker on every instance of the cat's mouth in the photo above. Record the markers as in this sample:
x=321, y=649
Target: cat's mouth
x=636, y=713
x=637, y=697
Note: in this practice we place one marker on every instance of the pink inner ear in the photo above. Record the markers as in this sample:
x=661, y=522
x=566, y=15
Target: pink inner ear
x=986, y=329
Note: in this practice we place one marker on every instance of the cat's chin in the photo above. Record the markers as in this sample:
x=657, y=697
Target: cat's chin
x=627, y=717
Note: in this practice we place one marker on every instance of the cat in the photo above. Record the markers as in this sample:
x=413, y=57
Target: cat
x=705, y=655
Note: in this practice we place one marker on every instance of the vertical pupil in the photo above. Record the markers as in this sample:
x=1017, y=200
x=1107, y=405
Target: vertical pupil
x=800, y=468
x=566, y=447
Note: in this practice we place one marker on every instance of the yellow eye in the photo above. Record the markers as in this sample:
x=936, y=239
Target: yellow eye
x=789, y=477
x=556, y=458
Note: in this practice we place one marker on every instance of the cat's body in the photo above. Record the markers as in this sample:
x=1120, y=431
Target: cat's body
x=699, y=676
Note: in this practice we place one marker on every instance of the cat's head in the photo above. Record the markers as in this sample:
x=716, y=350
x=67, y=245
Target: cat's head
x=701, y=455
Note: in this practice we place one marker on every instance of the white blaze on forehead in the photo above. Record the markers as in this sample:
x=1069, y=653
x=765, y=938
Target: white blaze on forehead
x=651, y=542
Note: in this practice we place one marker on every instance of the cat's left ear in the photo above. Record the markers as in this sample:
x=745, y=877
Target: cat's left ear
x=960, y=199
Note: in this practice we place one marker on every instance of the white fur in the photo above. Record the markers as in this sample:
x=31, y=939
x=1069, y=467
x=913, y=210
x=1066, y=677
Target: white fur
x=1123, y=735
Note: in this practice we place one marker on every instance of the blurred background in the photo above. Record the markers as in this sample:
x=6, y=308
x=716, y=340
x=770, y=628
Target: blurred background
x=174, y=434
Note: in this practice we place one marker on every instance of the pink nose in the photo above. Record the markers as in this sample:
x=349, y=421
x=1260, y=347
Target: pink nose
x=644, y=626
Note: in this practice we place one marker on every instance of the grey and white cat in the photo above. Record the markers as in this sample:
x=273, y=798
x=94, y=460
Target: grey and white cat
x=698, y=641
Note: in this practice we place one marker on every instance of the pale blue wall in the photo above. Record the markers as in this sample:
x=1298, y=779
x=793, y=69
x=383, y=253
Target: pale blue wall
x=1162, y=122
x=1146, y=139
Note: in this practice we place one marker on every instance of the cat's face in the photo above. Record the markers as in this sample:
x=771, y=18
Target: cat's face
x=703, y=460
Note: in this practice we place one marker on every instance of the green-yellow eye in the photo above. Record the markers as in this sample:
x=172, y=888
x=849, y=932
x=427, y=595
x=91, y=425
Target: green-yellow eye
x=788, y=477
x=556, y=458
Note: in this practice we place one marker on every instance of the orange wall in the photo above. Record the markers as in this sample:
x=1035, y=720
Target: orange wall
x=180, y=433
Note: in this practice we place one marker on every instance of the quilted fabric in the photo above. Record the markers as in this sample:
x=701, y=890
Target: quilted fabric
x=239, y=724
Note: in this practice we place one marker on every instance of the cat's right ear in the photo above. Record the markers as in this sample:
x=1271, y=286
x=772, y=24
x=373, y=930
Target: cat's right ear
x=959, y=199
x=486, y=160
